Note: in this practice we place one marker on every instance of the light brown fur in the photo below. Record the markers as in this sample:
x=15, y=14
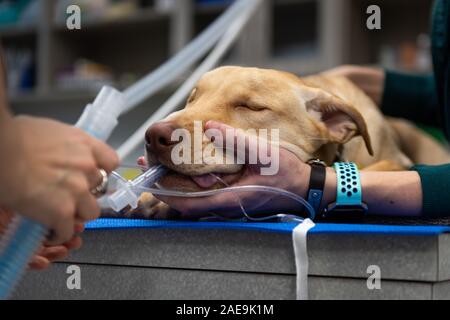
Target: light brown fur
x=317, y=116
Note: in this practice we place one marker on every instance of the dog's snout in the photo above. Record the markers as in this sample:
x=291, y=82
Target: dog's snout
x=159, y=137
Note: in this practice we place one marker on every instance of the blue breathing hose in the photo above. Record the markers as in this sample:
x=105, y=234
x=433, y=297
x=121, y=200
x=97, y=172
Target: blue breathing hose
x=21, y=241
x=24, y=236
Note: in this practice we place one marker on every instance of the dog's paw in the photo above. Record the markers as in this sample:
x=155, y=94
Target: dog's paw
x=151, y=208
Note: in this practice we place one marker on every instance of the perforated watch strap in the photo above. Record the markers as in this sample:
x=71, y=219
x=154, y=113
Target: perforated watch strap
x=348, y=184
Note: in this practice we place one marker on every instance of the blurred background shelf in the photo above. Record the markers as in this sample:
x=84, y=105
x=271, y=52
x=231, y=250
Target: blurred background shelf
x=14, y=31
x=143, y=16
x=33, y=97
x=210, y=8
x=120, y=41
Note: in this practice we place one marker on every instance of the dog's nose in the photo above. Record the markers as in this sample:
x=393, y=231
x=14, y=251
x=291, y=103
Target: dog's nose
x=159, y=137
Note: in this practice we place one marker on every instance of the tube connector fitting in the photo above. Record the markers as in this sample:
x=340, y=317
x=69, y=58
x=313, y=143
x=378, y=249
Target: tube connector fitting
x=101, y=117
x=128, y=192
x=124, y=197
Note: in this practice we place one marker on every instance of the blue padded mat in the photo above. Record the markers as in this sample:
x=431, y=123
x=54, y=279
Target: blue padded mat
x=320, y=228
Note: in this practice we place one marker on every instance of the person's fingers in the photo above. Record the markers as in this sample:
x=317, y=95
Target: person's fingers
x=85, y=203
x=79, y=228
x=74, y=244
x=94, y=177
x=142, y=162
x=186, y=207
x=87, y=207
x=39, y=263
x=62, y=229
x=61, y=220
x=49, y=254
x=196, y=207
x=83, y=159
x=246, y=148
x=54, y=253
x=237, y=136
x=104, y=155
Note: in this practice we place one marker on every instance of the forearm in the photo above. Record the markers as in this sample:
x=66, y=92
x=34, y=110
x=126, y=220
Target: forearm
x=387, y=193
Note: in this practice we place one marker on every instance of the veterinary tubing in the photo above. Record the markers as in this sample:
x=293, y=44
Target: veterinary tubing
x=280, y=217
x=126, y=193
x=138, y=186
x=23, y=237
x=182, y=61
x=183, y=92
x=236, y=191
x=21, y=241
x=118, y=200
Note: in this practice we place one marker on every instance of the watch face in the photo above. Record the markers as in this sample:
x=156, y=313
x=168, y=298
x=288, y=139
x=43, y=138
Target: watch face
x=345, y=212
x=350, y=209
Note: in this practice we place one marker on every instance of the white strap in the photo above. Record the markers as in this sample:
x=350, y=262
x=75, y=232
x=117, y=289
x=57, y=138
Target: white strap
x=301, y=257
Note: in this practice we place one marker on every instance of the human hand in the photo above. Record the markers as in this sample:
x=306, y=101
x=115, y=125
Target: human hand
x=48, y=171
x=293, y=175
x=46, y=253
x=369, y=80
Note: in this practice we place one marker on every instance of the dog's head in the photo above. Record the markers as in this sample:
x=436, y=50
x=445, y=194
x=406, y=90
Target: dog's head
x=311, y=121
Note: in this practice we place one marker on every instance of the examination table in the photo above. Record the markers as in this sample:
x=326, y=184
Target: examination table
x=140, y=260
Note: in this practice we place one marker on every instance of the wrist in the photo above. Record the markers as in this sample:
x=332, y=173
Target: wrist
x=329, y=191
x=301, y=180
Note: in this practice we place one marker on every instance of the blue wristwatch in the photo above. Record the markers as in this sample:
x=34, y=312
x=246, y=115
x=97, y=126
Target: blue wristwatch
x=349, y=195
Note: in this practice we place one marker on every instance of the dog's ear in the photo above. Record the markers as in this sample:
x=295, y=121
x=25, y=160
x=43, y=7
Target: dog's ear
x=342, y=120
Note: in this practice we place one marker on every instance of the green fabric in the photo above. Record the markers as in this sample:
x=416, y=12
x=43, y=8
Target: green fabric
x=412, y=97
x=426, y=100
x=435, y=182
x=436, y=133
x=440, y=36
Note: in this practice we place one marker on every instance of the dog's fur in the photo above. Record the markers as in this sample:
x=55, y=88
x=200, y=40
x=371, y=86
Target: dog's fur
x=318, y=117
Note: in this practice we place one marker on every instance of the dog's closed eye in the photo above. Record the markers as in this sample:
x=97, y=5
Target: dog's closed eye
x=251, y=107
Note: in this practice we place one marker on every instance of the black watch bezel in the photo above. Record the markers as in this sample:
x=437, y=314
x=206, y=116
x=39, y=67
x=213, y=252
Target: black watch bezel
x=335, y=211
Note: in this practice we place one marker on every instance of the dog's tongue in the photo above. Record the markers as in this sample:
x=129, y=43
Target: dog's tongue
x=205, y=181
